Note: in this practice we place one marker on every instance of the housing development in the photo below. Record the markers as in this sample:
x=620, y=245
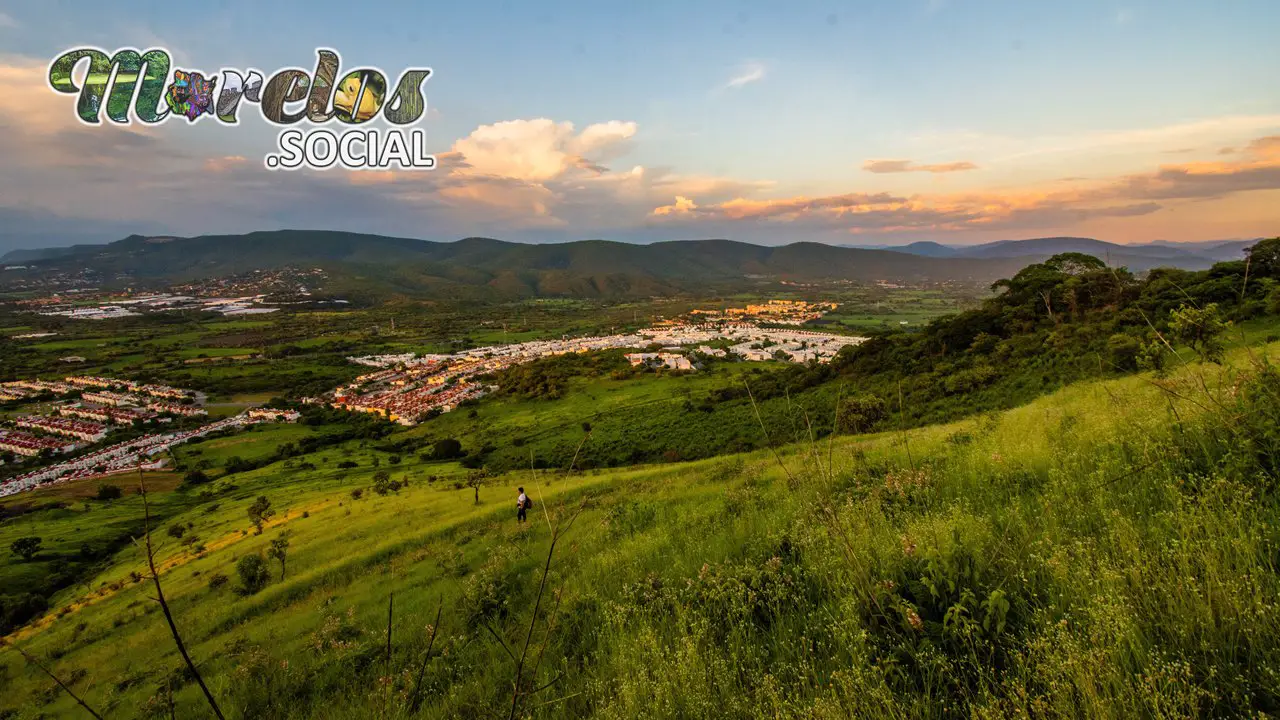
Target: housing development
x=409, y=388
x=83, y=411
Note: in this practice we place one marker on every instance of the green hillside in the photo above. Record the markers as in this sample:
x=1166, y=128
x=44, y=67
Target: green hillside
x=1107, y=550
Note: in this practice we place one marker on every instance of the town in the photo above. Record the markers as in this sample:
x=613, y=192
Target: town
x=84, y=411
x=409, y=388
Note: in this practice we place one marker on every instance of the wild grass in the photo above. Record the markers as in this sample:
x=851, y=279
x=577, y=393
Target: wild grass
x=1106, y=551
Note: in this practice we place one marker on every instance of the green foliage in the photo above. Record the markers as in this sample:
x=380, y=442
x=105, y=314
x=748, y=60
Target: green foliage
x=195, y=477
x=859, y=413
x=1123, y=351
x=26, y=547
x=253, y=574
x=279, y=551
x=1200, y=328
x=447, y=449
x=259, y=511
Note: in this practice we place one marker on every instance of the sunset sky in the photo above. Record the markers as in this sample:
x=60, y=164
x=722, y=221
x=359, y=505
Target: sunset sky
x=879, y=122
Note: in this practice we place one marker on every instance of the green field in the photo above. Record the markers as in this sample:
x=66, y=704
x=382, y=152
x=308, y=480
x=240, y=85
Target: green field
x=1107, y=550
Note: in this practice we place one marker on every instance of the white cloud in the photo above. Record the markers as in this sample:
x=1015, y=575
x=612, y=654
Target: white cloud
x=749, y=73
x=7, y=21
x=541, y=149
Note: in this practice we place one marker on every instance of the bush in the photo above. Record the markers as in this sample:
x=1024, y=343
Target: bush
x=253, y=573
x=356, y=494
x=195, y=477
x=446, y=449
x=217, y=581
x=109, y=492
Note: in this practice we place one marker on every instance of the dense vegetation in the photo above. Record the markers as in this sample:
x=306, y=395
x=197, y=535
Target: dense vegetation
x=1094, y=533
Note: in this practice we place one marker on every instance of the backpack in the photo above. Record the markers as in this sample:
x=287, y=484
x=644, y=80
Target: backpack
x=528, y=503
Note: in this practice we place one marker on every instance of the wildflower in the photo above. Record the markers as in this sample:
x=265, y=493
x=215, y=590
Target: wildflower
x=908, y=547
x=913, y=618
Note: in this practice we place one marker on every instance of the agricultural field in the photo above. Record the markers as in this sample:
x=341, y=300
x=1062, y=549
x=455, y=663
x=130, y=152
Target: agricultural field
x=992, y=559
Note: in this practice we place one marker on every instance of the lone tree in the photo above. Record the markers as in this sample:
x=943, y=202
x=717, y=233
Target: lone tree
x=253, y=573
x=475, y=479
x=382, y=482
x=259, y=511
x=279, y=551
x=26, y=547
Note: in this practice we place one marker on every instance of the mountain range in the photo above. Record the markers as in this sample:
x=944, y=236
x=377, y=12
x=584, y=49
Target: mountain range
x=589, y=268
x=1137, y=257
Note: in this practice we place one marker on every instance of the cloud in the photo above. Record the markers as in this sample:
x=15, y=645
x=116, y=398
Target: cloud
x=225, y=163
x=1129, y=196
x=7, y=22
x=902, y=166
x=540, y=149
x=749, y=73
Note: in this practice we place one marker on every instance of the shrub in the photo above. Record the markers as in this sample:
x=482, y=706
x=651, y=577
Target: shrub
x=195, y=477
x=109, y=492
x=218, y=581
x=253, y=573
x=446, y=449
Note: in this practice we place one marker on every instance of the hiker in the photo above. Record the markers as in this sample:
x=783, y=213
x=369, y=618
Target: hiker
x=522, y=505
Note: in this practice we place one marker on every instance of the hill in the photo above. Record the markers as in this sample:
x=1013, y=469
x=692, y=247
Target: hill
x=591, y=268
x=1078, y=554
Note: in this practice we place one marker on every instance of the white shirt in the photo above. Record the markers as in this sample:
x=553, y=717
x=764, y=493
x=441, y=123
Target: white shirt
x=520, y=501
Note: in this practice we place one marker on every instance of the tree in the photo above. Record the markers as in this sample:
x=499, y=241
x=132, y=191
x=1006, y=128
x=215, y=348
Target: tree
x=26, y=547
x=259, y=511
x=382, y=482
x=1264, y=257
x=177, y=531
x=475, y=479
x=195, y=477
x=1200, y=328
x=279, y=551
x=446, y=449
x=252, y=570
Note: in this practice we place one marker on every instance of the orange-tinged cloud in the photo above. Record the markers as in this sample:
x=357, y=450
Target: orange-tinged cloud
x=903, y=166
x=1132, y=196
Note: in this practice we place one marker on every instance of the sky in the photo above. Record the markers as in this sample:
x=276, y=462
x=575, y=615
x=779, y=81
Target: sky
x=862, y=123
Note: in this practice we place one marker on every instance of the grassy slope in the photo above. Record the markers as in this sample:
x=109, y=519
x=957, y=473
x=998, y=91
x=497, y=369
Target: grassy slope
x=727, y=587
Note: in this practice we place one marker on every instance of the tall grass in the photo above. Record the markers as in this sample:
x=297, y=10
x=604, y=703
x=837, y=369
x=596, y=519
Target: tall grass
x=1107, y=551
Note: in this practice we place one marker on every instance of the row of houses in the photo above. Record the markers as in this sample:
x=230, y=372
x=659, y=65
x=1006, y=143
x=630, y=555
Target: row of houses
x=87, y=431
x=123, y=457
x=28, y=445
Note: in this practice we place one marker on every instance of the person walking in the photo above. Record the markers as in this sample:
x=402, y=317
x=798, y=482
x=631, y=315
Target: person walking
x=522, y=506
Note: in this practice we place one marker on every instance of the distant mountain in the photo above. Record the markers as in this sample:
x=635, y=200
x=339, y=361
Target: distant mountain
x=590, y=268
x=484, y=267
x=1139, y=257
